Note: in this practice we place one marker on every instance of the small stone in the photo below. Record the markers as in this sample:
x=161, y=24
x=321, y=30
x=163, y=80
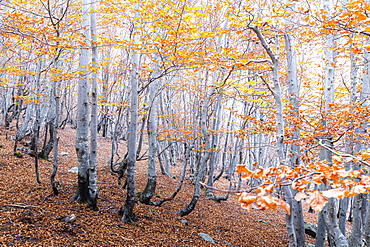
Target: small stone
x=69, y=219
x=206, y=237
x=73, y=170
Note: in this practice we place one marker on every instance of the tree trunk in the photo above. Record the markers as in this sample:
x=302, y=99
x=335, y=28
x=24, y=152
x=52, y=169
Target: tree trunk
x=93, y=164
x=82, y=131
x=151, y=184
x=128, y=209
x=279, y=122
x=294, y=160
x=206, y=155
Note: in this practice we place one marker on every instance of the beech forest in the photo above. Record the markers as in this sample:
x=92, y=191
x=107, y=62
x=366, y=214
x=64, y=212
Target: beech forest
x=185, y=123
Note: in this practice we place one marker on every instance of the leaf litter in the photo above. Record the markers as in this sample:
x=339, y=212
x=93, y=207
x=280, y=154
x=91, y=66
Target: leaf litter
x=31, y=216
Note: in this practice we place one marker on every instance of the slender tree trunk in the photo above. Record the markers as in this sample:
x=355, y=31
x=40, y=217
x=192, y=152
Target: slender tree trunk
x=82, y=131
x=280, y=126
x=332, y=226
x=151, y=184
x=356, y=147
x=93, y=165
x=297, y=212
x=365, y=93
x=128, y=209
x=56, y=142
x=204, y=159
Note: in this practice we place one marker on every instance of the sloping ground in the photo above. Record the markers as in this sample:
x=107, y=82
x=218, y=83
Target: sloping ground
x=29, y=217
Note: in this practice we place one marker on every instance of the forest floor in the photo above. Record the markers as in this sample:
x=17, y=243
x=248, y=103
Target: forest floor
x=30, y=215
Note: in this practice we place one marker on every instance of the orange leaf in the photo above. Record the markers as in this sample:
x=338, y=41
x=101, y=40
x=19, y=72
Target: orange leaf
x=356, y=190
x=335, y=193
x=365, y=180
x=337, y=160
x=269, y=202
x=246, y=200
x=365, y=156
x=241, y=168
x=299, y=196
x=317, y=201
x=283, y=205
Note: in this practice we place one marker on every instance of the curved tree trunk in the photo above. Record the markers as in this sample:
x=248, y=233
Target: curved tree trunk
x=206, y=155
x=151, y=184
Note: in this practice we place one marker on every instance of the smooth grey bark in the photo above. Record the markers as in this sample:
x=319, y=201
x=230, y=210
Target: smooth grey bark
x=294, y=155
x=331, y=220
x=277, y=93
x=93, y=163
x=141, y=138
x=205, y=156
x=164, y=166
x=26, y=127
x=103, y=123
x=82, y=131
x=37, y=124
x=151, y=184
x=128, y=209
x=214, y=143
x=365, y=93
x=56, y=149
x=356, y=147
x=342, y=214
x=321, y=229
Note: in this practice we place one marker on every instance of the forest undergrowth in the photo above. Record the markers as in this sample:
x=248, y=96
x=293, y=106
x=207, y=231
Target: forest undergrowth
x=32, y=216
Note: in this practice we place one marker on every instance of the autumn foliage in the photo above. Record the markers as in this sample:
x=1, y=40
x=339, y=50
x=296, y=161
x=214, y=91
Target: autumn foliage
x=304, y=179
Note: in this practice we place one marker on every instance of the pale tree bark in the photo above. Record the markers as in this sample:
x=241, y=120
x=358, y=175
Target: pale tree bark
x=56, y=142
x=164, y=166
x=277, y=93
x=37, y=123
x=364, y=97
x=213, y=143
x=93, y=164
x=128, y=209
x=226, y=143
x=355, y=147
x=330, y=212
x=294, y=155
x=205, y=155
x=151, y=184
x=82, y=131
x=222, y=43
